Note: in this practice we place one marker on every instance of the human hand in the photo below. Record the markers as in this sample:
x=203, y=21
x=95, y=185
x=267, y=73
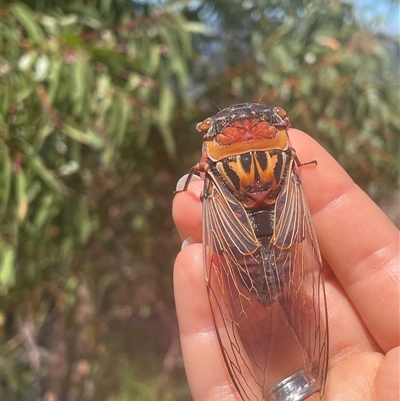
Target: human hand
x=360, y=245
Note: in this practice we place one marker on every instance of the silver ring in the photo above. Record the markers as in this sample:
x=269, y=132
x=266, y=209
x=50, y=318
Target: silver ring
x=296, y=387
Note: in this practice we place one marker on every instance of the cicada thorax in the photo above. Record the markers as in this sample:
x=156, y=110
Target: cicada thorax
x=255, y=177
x=248, y=148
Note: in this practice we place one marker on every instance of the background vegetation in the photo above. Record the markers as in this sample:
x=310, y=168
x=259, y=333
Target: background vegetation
x=98, y=104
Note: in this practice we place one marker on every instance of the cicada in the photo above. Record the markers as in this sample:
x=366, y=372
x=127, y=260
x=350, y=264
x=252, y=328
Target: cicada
x=261, y=256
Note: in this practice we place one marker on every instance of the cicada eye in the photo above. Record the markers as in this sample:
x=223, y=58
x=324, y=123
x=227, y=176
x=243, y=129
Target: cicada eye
x=204, y=126
x=281, y=113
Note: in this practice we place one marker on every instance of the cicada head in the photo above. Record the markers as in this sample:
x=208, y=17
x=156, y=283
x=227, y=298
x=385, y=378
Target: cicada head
x=244, y=127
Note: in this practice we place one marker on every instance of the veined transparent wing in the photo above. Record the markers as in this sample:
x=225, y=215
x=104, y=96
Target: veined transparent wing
x=257, y=345
x=297, y=256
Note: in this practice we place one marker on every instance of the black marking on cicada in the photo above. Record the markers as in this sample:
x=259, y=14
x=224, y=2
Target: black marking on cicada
x=261, y=257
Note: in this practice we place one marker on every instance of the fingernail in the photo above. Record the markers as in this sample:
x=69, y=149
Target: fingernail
x=188, y=241
x=182, y=181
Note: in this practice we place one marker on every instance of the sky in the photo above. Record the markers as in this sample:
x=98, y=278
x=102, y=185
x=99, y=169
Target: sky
x=388, y=15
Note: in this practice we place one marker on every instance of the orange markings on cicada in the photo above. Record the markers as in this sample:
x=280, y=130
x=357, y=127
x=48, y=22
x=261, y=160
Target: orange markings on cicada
x=247, y=130
x=272, y=138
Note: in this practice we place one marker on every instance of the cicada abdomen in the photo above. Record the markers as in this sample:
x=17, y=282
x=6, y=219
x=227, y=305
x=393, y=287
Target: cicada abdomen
x=261, y=258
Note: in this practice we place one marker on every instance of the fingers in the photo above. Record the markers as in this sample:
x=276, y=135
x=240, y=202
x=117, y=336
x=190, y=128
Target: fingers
x=387, y=377
x=205, y=369
x=186, y=212
x=359, y=242
x=348, y=336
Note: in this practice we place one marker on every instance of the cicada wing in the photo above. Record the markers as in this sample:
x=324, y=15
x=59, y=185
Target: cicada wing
x=297, y=256
x=242, y=323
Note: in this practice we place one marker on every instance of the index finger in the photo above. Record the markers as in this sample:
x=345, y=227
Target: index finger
x=358, y=241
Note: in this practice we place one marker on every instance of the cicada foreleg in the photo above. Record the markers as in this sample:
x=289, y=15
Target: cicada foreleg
x=197, y=168
x=298, y=162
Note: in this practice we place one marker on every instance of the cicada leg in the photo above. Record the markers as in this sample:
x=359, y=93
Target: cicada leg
x=197, y=168
x=298, y=162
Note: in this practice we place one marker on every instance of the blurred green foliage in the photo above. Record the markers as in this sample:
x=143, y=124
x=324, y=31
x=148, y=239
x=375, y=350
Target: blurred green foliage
x=98, y=104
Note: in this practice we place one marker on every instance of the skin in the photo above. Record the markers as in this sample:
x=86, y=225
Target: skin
x=361, y=248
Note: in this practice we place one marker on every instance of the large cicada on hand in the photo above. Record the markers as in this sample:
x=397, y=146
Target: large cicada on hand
x=261, y=257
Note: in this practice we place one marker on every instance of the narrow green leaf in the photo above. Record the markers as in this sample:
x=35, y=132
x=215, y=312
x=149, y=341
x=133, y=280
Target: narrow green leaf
x=166, y=104
x=20, y=194
x=88, y=138
x=107, y=156
x=177, y=62
x=68, y=168
x=68, y=20
x=154, y=60
x=7, y=268
x=6, y=97
x=35, y=162
x=165, y=111
x=42, y=213
x=26, y=60
x=94, y=140
x=197, y=27
x=81, y=76
x=50, y=24
x=5, y=177
x=54, y=78
x=41, y=68
x=144, y=133
x=43, y=132
x=33, y=189
x=26, y=18
x=182, y=35
x=47, y=176
x=83, y=221
x=124, y=112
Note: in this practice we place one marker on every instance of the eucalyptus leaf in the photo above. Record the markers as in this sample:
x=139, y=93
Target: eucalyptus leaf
x=88, y=138
x=42, y=213
x=80, y=82
x=41, y=68
x=6, y=177
x=154, y=60
x=26, y=60
x=124, y=113
x=21, y=195
x=27, y=19
x=35, y=162
x=7, y=267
